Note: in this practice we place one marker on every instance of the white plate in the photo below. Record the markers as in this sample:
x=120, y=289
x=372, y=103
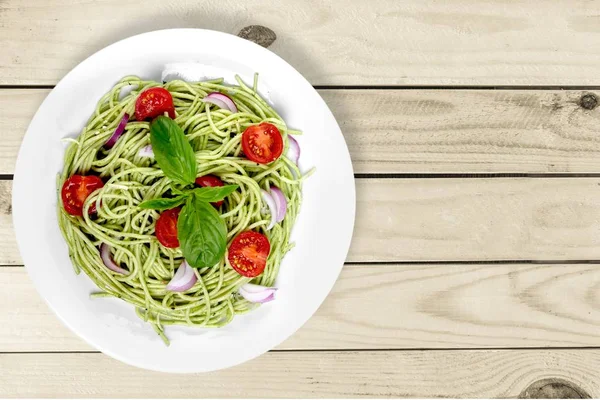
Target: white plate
x=322, y=232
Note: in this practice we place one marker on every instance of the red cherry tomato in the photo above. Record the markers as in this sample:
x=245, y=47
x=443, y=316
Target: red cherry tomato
x=166, y=228
x=262, y=143
x=210, y=181
x=76, y=189
x=248, y=253
x=154, y=102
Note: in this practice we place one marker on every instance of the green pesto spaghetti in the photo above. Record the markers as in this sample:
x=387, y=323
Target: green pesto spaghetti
x=133, y=252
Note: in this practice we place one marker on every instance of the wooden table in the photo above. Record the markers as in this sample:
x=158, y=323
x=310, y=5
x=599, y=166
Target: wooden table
x=475, y=137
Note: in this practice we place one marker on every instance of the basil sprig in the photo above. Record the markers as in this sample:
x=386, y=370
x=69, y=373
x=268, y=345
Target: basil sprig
x=163, y=204
x=172, y=151
x=201, y=231
x=205, y=194
x=213, y=194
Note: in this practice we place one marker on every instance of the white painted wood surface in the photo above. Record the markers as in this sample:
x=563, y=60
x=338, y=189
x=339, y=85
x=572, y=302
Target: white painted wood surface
x=385, y=374
x=409, y=309
x=387, y=307
x=341, y=42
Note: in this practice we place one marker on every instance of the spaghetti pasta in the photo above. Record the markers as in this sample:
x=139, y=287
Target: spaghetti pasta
x=131, y=177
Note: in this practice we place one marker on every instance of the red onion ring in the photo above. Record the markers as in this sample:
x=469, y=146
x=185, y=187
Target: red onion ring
x=108, y=261
x=293, y=152
x=272, y=207
x=280, y=202
x=118, y=132
x=221, y=100
x=183, y=280
x=257, y=293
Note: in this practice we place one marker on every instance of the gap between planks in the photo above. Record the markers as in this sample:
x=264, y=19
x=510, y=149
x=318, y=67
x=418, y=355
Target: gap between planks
x=10, y=177
x=366, y=350
x=450, y=262
x=395, y=87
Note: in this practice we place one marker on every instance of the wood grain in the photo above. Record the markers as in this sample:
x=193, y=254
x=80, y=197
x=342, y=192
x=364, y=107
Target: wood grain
x=425, y=131
x=441, y=131
x=388, y=307
x=383, y=42
x=18, y=108
x=473, y=374
x=9, y=254
x=380, y=308
x=452, y=219
x=476, y=219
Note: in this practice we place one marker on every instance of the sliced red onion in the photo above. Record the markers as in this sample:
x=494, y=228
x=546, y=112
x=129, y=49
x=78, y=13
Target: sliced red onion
x=118, y=132
x=272, y=207
x=280, y=202
x=108, y=261
x=293, y=152
x=221, y=100
x=184, y=278
x=257, y=293
x=146, y=151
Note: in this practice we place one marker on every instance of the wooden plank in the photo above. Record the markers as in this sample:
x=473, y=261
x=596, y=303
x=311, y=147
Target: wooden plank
x=9, y=254
x=452, y=219
x=437, y=131
x=465, y=42
x=479, y=374
x=18, y=108
x=425, y=131
x=388, y=307
x=476, y=219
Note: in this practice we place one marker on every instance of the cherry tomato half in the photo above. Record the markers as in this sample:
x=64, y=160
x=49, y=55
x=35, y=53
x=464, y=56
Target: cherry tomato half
x=166, y=228
x=248, y=253
x=76, y=190
x=154, y=102
x=210, y=181
x=262, y=143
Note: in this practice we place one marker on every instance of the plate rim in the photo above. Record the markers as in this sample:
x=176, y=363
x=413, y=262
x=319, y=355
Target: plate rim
x=17, y=211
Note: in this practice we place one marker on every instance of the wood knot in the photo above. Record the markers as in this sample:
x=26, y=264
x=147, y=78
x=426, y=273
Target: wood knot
x=588, y=101
x=258, y=34
x=553, y=389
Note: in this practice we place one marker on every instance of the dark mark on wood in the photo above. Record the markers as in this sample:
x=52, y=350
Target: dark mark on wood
x=553, y=389
x=588, y=101
x=258, y=34
x=557, y=103
x=5, y=199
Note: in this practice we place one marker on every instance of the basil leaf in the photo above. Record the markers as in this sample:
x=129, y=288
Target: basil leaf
x=212, y=194
x=162, y=204
x=176, y=191
x=202, y=233
x=206, y=194
x=172, y=151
